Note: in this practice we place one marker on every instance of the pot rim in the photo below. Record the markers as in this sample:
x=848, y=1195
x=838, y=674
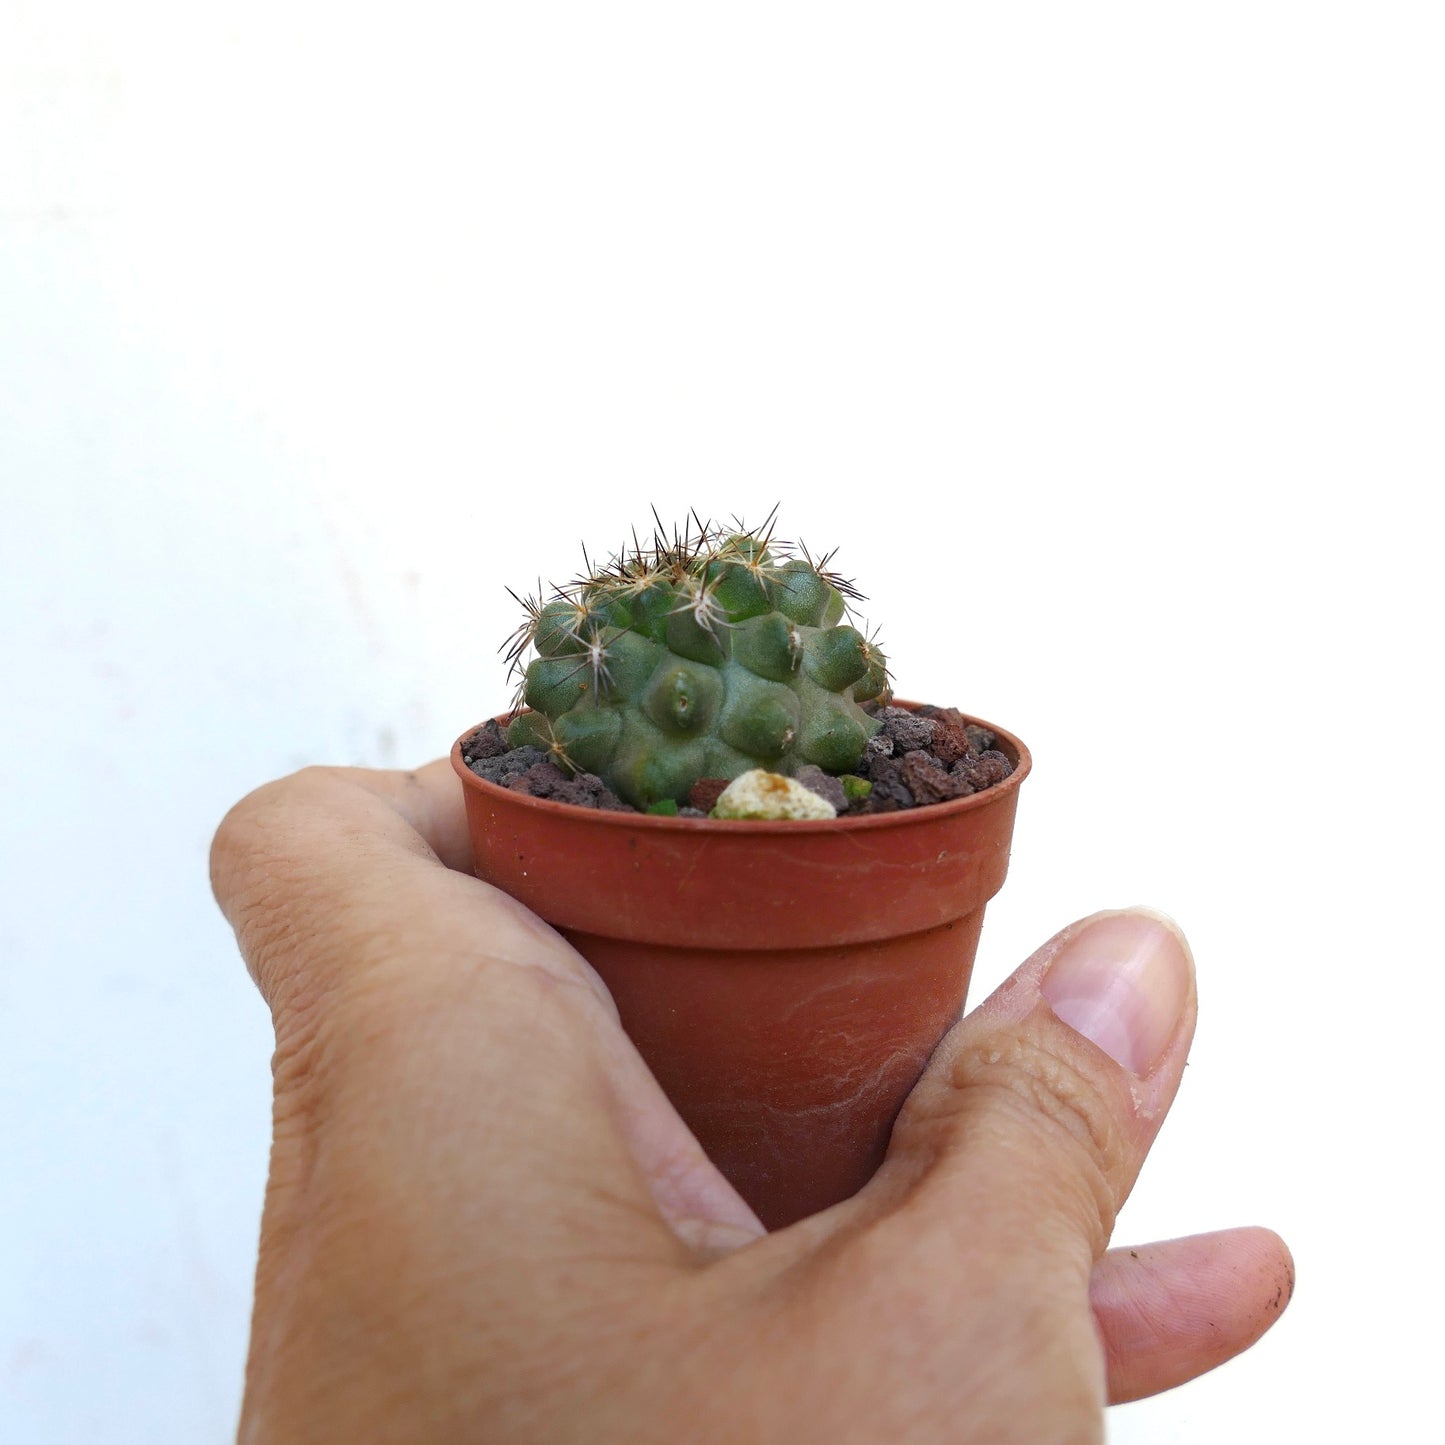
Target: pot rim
x=863, y=822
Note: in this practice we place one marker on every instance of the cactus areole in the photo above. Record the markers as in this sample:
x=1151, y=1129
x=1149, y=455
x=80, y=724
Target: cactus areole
x=706, y=654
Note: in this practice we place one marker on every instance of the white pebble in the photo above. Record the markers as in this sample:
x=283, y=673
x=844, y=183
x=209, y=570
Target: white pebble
x=761, y=794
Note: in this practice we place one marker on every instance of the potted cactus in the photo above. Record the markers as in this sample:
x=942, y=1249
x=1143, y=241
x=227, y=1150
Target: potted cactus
x=780, y=872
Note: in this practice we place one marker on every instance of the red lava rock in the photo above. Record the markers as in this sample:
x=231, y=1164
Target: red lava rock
x=506, y=766
x=609, y=802
x=575, y=791
x=994, y=766
x=980, y=739
x=546, y=780
x=928, y=782
x=489, y=741
x=890, y=792
x=589, y=791
x=825, y=785
x=541, y=780
x=950, y=739
x=908, y=732
x=983, y=771
x=705, y=792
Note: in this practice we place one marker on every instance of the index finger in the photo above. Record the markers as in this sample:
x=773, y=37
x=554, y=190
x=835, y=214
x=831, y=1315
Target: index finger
x=416, y=1003
x=429, y=799
x=330, y=875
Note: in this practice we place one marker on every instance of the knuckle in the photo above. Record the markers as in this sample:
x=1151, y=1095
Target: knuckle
x=1050, y=1087
x=315, y=949
x=258, y=873
x=249, y=829
x=1055, y=1114
x=254, y=839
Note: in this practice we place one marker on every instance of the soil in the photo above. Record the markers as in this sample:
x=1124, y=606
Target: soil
x=917, y=757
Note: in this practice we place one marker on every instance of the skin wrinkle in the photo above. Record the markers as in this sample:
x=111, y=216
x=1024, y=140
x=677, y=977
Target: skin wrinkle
x=1185, y=1304
x=671, y=1178
x=1046, y=1083
x=918, y=1340
x=286, y=1267
x=1013, y=1095
x=595, y=1310
x=391, y=1062
x=357, y=1026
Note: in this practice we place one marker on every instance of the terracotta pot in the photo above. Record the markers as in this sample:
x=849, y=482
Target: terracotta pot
x=785, y=982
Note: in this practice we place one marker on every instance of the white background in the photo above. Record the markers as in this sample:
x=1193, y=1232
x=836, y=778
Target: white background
x=1104, y=340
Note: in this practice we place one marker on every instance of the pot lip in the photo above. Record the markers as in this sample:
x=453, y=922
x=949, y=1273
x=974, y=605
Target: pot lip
x=865, y=822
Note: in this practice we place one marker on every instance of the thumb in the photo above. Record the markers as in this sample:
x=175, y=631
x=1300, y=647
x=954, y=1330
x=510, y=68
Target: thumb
x=1038, y=1109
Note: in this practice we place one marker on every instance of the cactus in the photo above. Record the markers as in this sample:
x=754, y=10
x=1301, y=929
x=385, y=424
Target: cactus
x=704, y=655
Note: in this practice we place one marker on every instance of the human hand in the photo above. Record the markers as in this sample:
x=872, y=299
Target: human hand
x=484, y=1221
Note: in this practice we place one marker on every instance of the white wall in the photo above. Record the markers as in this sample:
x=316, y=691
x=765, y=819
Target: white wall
x=1104, y=340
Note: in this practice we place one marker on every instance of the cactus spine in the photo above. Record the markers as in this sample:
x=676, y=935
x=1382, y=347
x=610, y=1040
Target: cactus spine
x=710, y=652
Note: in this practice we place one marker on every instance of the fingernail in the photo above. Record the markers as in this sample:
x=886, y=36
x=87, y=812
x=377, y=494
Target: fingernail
x=1122, y=982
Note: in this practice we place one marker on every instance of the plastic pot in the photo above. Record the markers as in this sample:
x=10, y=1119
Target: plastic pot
x=785, y=982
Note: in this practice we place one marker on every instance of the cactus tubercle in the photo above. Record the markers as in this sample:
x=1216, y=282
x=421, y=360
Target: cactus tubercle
x=709, y=653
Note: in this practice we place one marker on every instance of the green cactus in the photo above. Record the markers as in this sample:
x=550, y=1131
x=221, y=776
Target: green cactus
x=704, y=655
